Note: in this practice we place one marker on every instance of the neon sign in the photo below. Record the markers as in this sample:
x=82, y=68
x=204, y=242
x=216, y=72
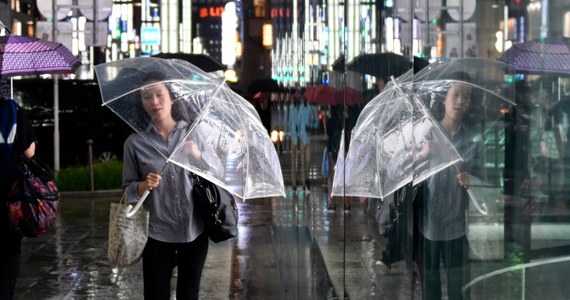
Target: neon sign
x=211, y=12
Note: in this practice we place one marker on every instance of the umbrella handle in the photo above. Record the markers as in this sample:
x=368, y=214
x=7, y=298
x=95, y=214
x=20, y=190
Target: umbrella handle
x=480, y=208
x=131, y=211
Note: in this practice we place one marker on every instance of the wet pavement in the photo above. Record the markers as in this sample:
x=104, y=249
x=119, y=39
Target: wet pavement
x=286, y=248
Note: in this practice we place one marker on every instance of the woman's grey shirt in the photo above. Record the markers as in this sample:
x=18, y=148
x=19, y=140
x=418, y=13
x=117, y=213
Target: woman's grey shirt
x=445, y=200
x=173, y=218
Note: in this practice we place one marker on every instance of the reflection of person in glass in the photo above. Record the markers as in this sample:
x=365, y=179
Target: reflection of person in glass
x=234, y=173
x=442, y=221
x=176, y=236
x=546, y=140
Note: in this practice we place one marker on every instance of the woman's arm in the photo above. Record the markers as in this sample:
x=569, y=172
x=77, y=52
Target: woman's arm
x=31, y=151
x=132, y=182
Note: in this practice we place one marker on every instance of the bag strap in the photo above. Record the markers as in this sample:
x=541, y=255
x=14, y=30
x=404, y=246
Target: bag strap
x=133, y=210
x=124, y=198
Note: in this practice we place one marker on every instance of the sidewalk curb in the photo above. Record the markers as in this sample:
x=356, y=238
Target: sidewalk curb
x=91, y=194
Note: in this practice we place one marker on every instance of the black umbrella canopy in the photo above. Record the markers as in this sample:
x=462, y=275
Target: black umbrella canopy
x=382, y=65
x=202, y=61
x=338, y=64
x=420, y=63
x=264, y=84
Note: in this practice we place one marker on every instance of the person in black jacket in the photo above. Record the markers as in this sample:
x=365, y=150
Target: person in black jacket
x=17, y=138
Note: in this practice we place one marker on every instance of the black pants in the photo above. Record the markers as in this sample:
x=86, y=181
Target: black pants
x=453, y=254
x=10, y=252
x=159, y=260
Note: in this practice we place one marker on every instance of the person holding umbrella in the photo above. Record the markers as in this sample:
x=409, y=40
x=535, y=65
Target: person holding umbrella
x=444, y=200
x=17, y=138
x=332, y=124
x=176, y=237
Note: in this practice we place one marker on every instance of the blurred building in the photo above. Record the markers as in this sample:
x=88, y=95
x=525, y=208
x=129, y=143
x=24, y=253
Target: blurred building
x=294, y=41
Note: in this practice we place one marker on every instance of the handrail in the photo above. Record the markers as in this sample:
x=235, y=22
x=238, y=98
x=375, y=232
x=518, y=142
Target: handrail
x=512, y=268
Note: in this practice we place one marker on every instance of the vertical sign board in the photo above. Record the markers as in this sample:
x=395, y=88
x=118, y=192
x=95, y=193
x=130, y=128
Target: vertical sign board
x=150, y=36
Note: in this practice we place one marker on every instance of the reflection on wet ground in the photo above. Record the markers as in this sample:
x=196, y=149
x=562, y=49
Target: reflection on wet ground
x=273, y=256
x=287, y=248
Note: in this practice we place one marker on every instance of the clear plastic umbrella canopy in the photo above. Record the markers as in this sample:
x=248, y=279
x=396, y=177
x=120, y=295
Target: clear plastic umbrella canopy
x=379, y=159
x=214, y=114
x=383, y=153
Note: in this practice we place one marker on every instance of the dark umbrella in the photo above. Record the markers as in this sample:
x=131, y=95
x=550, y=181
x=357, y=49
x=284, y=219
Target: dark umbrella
x=550, y=55
x=419, y=64
x=338, y=64
x=263, y=85
x=381, y=65
x=20, y=55
x=202, y=61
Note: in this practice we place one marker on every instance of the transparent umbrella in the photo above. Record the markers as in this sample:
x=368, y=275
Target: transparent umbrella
x=245, y=161
x=385, y=148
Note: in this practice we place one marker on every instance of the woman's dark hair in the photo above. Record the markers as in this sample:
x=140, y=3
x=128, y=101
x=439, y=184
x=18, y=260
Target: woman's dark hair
x=157, y=77
x=460, y=75
x=154, y=76
x=435, y=101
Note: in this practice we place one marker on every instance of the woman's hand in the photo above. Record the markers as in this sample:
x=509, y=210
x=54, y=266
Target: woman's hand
x=152, y=180
x=31, y=151
x=543, y=148
x=193, y=149
x=427, y=148
x=463, y=178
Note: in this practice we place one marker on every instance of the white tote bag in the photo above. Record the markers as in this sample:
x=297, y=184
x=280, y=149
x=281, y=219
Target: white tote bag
x=127, y=235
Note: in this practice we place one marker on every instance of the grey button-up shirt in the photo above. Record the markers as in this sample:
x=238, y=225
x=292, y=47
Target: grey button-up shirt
x=445, y=200
x=172, y=215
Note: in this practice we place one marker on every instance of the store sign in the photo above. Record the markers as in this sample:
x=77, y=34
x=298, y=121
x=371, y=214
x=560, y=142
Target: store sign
x=150, y=36
x=210, y=12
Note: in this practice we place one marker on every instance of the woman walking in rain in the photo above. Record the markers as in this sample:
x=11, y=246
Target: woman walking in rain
x=444, y=202
x=176, y=237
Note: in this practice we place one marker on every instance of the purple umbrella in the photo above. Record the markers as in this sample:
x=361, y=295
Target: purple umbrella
x=20, y=55
x=550, y=55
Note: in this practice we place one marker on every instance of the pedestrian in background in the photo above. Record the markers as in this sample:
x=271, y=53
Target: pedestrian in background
x=302, y=117
x=263, y=105
x=333, y=124
x=176, y=230
x=17, y=138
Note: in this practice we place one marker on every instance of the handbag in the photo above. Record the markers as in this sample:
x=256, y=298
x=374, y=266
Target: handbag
x=217, y=207
x=127, y=235
x=390, y=227
x=33, y=199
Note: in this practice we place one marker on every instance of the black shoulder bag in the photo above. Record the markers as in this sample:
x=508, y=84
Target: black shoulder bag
x=217, y=207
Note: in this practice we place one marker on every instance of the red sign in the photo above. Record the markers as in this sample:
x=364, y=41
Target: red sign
x=211, y=12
